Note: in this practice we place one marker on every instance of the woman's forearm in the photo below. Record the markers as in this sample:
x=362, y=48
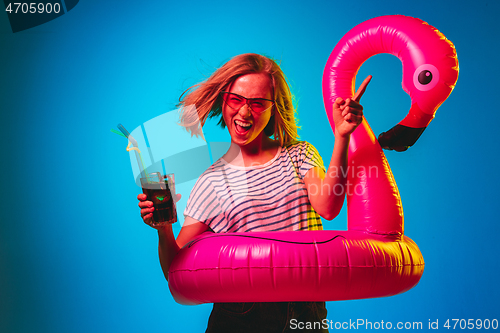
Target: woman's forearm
x=335, y=182
x=167, y=248
x=327, y=190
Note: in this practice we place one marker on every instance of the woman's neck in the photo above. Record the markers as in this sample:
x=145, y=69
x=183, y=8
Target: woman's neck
x=249, y=155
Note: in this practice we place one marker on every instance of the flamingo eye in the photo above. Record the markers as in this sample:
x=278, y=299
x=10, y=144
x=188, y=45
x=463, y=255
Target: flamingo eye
x=426, y=77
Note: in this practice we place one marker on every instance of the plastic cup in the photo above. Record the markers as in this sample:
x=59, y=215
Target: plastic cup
x=161, y=191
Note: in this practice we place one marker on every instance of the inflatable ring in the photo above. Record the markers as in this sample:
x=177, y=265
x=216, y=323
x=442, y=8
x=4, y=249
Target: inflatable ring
x=372, y=258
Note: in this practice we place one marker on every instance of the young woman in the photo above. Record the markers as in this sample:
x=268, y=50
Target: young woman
x=266, y=181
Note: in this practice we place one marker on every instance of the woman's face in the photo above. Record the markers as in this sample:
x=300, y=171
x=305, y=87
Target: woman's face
x=246, y=126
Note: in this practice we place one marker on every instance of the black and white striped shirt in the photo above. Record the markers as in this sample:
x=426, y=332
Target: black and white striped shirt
x=268, y=197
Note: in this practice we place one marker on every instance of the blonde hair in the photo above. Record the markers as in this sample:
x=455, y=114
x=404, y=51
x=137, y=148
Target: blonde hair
x=203, y=101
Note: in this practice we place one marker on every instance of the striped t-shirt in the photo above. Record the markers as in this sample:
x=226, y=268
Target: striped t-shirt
x=268, y=197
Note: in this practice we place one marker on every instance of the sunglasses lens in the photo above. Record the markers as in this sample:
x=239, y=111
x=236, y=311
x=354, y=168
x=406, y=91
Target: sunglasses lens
x=234, y=101
x=260, y=105
x=256, y=104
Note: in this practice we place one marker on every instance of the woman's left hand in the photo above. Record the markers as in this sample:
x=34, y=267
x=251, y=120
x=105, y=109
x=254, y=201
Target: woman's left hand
x=348, y=114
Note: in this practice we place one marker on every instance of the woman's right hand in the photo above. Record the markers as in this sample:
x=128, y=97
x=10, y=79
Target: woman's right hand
x=147, y=208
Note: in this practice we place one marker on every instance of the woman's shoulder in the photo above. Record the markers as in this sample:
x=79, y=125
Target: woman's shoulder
x=213, y=172
x=298, y=145
x=215, y=169
x=302, y=151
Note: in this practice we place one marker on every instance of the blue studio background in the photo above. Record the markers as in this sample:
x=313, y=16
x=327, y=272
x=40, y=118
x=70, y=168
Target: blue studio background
x=74, y=253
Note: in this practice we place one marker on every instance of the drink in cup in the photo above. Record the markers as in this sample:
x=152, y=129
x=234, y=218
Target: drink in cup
x=161, y=191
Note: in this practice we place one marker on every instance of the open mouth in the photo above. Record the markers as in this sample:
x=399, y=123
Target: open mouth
x=242, y=127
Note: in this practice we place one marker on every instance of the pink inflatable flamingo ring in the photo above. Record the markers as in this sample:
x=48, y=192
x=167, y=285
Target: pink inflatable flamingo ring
x=373, y=258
